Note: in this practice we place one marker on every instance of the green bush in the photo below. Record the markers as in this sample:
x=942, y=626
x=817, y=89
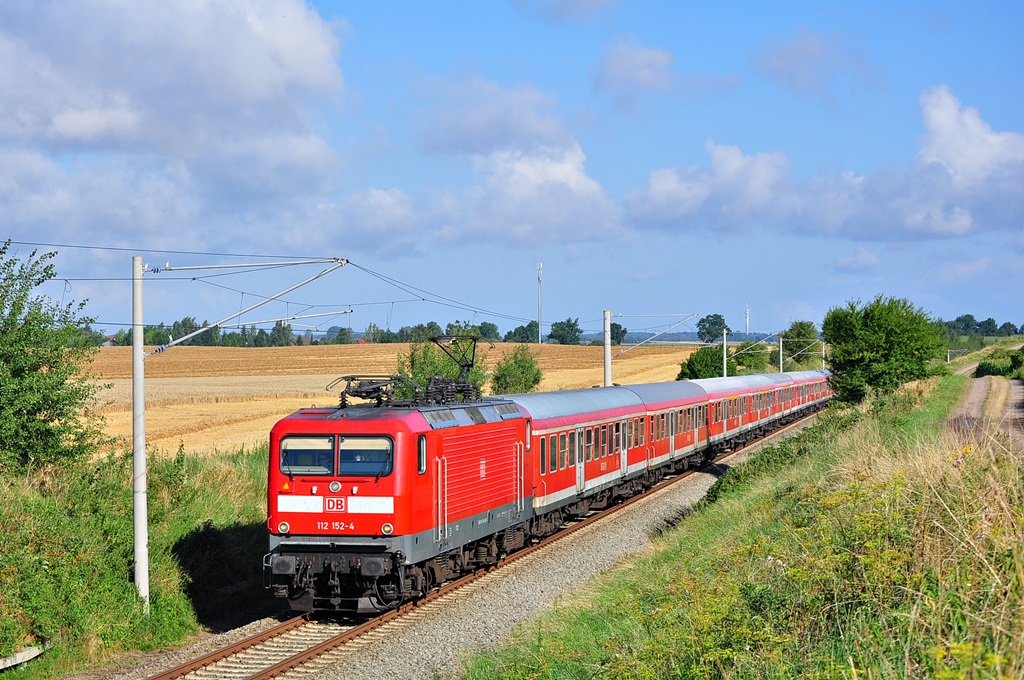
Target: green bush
x=66, y=569
x=45, y=398
x=517, y=372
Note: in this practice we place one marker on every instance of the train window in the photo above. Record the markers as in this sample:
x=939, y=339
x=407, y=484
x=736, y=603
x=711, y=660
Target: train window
x=365, y=456
x=421, y=455
x=552, y=457
x=307, y=455
x=529, y=434
x=561, y=451
x=617, y=438
x=604, y=441
x=641, y=428
x=573, y=451
x=590, y=444
x=543, y=455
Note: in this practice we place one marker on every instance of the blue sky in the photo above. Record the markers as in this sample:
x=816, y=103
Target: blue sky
x=659, y=158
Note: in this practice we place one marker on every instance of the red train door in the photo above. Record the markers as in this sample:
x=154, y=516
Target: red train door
x=440, y=499
x=581, y=472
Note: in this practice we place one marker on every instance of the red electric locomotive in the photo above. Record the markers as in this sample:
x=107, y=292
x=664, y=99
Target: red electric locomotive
x=374, y=503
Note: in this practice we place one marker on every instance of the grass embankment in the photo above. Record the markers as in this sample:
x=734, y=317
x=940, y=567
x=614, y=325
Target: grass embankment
x=66, y=567
x=874, y=545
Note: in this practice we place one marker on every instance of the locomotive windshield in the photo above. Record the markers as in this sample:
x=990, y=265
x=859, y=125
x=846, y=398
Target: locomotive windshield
x=356, y=456
x=365, y=456
x=307, y=455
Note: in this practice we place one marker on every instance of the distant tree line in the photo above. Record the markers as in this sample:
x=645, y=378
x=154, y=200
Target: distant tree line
x=963, y=332
x=280, y=335
x=967, y=333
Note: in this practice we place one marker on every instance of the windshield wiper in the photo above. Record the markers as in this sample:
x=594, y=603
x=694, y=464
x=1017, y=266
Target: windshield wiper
x=284, y=461
x=383, y=469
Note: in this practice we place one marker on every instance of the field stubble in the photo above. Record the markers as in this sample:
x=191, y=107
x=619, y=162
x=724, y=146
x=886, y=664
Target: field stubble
x=220, y=399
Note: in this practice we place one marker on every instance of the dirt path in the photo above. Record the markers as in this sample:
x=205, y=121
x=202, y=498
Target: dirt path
x=1001, y=403
x=1013, y=421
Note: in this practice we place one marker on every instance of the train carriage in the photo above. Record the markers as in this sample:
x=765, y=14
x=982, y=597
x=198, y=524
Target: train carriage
x=374, y=503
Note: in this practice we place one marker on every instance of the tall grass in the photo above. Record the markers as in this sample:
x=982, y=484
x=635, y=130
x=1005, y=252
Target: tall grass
x=66, y=569
x=877, y=544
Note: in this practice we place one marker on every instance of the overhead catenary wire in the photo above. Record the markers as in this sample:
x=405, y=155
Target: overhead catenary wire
x=419, y=295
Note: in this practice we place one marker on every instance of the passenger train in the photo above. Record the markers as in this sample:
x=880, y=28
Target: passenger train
x=375, y=503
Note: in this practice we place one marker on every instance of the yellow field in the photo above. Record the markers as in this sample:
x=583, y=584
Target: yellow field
x=210, y=399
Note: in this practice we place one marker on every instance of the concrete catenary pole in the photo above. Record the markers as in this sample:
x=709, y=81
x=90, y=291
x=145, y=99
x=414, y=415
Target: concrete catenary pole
x=139, y=439
x=607, y=348
x=540, y=301
x=725, y=354
x=780, y=351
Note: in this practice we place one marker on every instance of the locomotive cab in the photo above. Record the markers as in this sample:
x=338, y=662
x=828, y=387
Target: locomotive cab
x=336, y=540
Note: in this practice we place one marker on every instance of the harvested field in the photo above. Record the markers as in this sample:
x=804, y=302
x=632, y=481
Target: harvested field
x=210, y=399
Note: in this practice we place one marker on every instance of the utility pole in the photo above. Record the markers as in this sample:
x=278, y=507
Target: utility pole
x=540, y=300
x=607, y=348
x=140, y=510
x=140, y=498
x=725, y=354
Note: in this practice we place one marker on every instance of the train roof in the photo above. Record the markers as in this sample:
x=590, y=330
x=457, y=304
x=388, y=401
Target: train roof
x=656, y=394
x=742, y=383
x=563, y=406
x=808, y=375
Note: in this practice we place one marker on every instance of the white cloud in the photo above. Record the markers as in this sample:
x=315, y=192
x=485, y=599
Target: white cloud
x=478, y=116
x=860, y=261
x=736, y=188
x=628, y=69
x=963, y=144
x=810, y=63
x=215, y=89
x=537, y=196
x=940, y=195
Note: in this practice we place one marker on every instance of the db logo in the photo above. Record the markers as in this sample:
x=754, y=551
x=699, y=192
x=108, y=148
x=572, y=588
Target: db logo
x=335, y=504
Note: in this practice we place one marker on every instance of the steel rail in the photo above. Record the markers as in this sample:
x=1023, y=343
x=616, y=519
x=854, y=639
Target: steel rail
x=216, y=655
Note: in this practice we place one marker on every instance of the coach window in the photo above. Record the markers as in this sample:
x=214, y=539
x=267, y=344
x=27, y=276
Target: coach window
x=543, y=455
x=421, y=455
x=572, y=449
x=616, y=438
x=590, y=444
x=561, y=452
x=604, y=441
x=307, y=455
x=552, y=457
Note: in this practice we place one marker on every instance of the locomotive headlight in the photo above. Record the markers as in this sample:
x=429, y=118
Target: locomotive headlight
x=335, y=487
x=283, y=527
x=387, y=529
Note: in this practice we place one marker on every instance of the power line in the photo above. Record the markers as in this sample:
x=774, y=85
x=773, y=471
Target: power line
x=154, y=250
x=421, y=294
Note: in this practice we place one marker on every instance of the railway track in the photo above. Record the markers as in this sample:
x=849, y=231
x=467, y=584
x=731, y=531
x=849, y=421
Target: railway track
x=303, y=645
